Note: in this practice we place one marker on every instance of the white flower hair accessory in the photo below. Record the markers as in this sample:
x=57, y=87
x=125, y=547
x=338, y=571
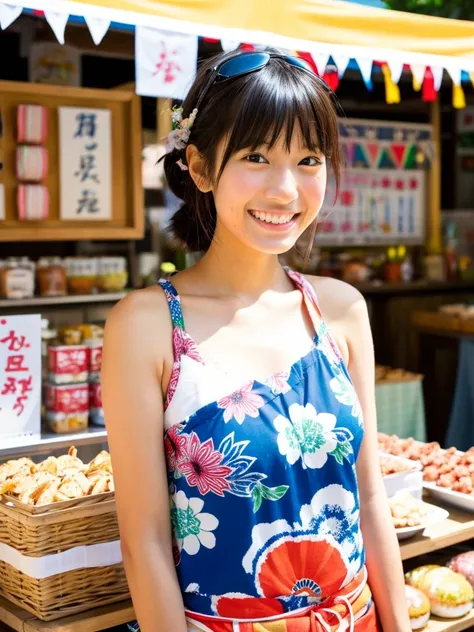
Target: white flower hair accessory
x=178, y=138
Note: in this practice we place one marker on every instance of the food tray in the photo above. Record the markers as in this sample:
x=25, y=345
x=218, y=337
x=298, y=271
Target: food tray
x=436, y=515
x=445, y=495
x=40, y=535
x=410, y=480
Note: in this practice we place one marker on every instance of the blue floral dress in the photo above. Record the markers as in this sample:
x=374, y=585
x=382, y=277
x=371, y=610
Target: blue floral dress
x=263, y=492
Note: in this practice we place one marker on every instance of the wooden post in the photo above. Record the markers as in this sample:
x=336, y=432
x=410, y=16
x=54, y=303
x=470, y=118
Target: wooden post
x=163, y=119
x=433, y=242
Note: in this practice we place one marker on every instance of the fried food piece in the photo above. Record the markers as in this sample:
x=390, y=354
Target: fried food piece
x=75, y=486
x=69, y=462
x=49, y=465
x=100, y=486
x=101, y=462
x=11, y=468
x=7, y=486
x=406, y=510
x=47, y=495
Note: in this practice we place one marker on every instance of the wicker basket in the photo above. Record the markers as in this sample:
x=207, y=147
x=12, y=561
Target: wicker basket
x=37, y=534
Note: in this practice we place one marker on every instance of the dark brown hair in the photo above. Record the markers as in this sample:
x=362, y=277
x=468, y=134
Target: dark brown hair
x=249, y=110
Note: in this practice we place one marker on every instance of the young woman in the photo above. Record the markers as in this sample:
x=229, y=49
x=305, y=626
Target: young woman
x=241, y=424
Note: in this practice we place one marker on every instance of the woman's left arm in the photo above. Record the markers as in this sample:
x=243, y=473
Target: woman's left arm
x=382, y=550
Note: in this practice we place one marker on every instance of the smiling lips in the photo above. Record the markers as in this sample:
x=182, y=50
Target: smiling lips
x=273, y=219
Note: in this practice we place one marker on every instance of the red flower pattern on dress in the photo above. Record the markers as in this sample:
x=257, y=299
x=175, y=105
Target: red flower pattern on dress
x=183, y=344
x=202, y=467
x=241, y=403
x=175, y=447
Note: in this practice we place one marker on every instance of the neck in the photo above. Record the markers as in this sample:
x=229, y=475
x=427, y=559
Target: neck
x=233, y=268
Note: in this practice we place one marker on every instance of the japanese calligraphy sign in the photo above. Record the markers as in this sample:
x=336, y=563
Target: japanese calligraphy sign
x=165, y=63
x=85, y=156
x=20, y=377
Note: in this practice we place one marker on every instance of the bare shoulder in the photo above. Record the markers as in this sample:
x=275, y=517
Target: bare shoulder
x=338, y=300
x=143, y=319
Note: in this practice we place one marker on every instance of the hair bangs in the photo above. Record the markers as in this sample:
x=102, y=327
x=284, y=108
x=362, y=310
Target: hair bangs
x=272, y=105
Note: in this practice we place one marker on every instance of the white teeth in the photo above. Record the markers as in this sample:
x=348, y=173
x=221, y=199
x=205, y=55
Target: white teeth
x=272, y=218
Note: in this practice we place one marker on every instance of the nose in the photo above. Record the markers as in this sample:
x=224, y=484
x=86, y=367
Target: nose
x=282, y=186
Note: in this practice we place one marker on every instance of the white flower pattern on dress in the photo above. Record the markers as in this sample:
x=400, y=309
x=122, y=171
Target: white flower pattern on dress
x=345, y=393
x=191, y=527
x=278, y=383
x=306, y=435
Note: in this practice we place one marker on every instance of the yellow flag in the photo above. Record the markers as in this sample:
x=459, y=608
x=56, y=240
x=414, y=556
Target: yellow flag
x=392, y=91
x=459, y=100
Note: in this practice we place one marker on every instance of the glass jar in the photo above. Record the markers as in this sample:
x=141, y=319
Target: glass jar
x=18, y=279
x=81, y=275
x=51, y=277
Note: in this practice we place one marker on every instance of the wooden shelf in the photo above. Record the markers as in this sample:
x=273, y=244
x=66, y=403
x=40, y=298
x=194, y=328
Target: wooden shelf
x=459, y=527
x=44, y=301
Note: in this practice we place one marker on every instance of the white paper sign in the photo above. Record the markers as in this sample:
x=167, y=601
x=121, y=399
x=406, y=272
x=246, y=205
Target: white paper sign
x=85, y=156
x=20, y=377
x=165, y=63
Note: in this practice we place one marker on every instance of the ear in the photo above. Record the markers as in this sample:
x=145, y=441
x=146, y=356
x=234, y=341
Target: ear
x=197, y=169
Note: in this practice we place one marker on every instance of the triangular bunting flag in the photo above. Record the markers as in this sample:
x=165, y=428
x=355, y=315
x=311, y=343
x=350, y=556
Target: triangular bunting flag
x=392, y=91
x=348, y=149
x=57, y=22
x=373, y=150
x=360, y=157
x=98, y=28
x=308, y=59
x=386, y=161
x=8, y=14
x=396, y=69
x=437, y=76
x=410, y=157
x=418, y=72
x=321, y=61
x=341, y=61
x=365, y=67
x=455, y=74
x=429, y=93
x=398, y=152
x=459, y=98
x=165, y=62
x=471, y=77
x=228, y=45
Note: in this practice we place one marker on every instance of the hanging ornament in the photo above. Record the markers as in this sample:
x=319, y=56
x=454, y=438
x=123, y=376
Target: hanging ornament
x=459, y=98
x=392, y=91
x=97, y=28
x=332, y=80
x=429, y=93
x=8, y=14
x=57, y=22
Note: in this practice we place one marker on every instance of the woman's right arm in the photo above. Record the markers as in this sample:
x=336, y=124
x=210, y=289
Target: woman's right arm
x=136, y=335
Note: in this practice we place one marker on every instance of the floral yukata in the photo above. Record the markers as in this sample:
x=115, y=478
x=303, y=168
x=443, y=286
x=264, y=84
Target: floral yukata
x=263, y=490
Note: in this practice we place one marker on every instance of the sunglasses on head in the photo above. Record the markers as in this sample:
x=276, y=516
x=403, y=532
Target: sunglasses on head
x=252, y=61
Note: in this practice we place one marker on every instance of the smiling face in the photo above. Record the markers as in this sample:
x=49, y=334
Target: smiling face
x=267, y=196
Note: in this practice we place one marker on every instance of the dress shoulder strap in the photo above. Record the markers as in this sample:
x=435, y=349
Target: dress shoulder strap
x=309, y=296
x=174, y=303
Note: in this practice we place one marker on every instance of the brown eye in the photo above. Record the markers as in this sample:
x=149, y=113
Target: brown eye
x=255, y=158
x=311, y=161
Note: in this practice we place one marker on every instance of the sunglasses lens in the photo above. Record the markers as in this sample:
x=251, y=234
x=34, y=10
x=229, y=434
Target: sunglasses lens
x=299, y=63
x=242, y=64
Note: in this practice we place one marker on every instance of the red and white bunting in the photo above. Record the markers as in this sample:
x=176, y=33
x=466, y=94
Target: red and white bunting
x=57, y=22
x=97, y=28
x=8, y=14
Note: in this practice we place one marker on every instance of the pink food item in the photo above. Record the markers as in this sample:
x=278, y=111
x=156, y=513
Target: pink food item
x=32, y=124
x=464, y=564
x=68, y=364
x=31, y=163
x=33, y=202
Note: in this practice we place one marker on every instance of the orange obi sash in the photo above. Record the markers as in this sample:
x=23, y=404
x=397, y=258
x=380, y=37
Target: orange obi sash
x=349, y=609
